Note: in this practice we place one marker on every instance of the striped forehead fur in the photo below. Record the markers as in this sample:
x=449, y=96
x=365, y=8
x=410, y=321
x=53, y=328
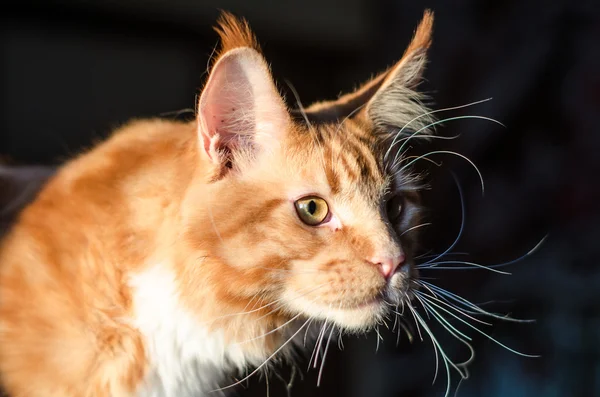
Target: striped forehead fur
x=352, y=156
x=391, y=108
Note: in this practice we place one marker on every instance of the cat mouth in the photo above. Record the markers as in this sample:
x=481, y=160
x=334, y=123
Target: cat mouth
x=394, y=293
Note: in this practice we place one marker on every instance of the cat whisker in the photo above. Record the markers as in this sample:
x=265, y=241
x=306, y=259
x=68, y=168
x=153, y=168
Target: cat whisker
x=462, y=221
x=437, y=348
x=212, y=222
x=399, y=134
x=439, y=304
x=378, y=339
x=264, y=306
x=312, y=131
x=431, y=302
x=177, y=113
x=266, y=381
x=282, y=325
x=271, y=331
x=288, y=384
x=470, y=265
x=397, y=319
x=210, y=58
x=437, y=122
x=317, y=347
x=453, y=154
x=252, y=300
x=495, y=266
x=400, y=171
x=352, y=113
x=257, y=369
x=464, y=339
x=409, y=332
x=408, y=304
x=461, y=367
x=325, y=354
x=415, y=227
x=391, y=166
x=347, y=136
x=299, y=296
x=306, y=332
x=385, y=320
x=450, y=297
x=340, y=341
x=450, y=306
x=300, y=106
x=427, y=255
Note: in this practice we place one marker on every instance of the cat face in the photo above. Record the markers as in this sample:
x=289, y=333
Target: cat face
x=348, y=212
x=309, y=216
x=319, y=227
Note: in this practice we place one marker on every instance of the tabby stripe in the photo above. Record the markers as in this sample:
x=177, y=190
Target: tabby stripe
x=364, y=158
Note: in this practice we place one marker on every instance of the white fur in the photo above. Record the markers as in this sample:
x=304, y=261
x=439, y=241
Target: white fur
x=185, y=359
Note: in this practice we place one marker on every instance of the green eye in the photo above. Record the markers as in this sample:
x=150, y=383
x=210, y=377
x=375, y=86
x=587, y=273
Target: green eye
x=312, y=210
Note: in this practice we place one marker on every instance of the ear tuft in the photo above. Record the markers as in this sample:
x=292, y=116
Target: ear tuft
x=412, y=63
x=240, y=111
x=422, y=37
x=234, y=33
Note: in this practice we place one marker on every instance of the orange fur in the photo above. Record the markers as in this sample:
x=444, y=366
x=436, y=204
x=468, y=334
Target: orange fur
x=157, y=193
x=235, y=33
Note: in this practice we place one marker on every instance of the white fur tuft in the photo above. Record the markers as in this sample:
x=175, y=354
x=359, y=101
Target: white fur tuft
x=185, y=359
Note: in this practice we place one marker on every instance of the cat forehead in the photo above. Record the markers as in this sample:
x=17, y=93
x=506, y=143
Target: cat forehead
x=348, y=157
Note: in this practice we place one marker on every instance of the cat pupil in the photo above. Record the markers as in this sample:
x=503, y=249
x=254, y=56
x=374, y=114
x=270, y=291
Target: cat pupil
x=312, y=207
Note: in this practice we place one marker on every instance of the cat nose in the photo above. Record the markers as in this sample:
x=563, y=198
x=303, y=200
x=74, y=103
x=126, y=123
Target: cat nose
x=387, y=264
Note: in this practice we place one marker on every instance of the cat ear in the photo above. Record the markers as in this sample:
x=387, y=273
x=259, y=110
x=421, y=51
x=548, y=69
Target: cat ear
x=388, y=100
x=240, y=107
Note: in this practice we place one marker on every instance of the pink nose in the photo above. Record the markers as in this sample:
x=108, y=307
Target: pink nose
x=387, y=264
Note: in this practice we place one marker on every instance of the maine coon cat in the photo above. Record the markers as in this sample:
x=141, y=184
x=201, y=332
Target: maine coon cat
x=176, y=254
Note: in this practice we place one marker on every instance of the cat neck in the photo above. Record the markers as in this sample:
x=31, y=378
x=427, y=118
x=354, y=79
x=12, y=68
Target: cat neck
x=195, y=350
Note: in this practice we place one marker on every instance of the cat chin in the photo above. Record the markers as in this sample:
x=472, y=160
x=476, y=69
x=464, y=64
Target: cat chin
x=357, y=319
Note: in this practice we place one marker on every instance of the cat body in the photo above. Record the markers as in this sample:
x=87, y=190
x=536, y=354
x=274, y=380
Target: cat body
x=130, y=292
x=175, y=255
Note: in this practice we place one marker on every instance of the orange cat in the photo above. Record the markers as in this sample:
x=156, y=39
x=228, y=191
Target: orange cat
x=175, y=255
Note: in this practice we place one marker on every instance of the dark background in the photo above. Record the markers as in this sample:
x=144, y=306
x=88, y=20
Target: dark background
x=70, y=71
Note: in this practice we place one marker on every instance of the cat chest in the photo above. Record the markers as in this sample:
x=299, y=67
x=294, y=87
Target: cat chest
x=184, y=357
x=196, y=368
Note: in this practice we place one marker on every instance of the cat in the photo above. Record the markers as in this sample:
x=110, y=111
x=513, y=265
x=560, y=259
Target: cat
x=176, y=255
x=18, y=186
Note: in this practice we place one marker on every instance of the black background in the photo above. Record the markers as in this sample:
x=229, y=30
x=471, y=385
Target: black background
x=71, y=71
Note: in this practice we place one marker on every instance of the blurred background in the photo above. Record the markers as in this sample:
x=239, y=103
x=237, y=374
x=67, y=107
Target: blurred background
x=71, y=71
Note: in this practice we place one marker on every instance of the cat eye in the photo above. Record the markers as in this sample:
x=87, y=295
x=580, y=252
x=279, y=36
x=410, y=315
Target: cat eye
x=312, y=210
x=394, y=208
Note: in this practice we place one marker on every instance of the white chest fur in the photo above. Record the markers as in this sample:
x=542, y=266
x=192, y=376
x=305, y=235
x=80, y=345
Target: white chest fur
x=185, y=358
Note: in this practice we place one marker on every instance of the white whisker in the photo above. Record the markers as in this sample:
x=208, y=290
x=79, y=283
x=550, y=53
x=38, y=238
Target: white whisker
x=325, y=355
x=429, y=114
x=454, y=154
x=440, y=122
x=481, y=332
x=415, y=227
x=434, y=265
x=265, y=362
x=271, y=331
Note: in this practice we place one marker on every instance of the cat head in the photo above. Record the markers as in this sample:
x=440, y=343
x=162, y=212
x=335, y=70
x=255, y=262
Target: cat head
x=307, y=213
